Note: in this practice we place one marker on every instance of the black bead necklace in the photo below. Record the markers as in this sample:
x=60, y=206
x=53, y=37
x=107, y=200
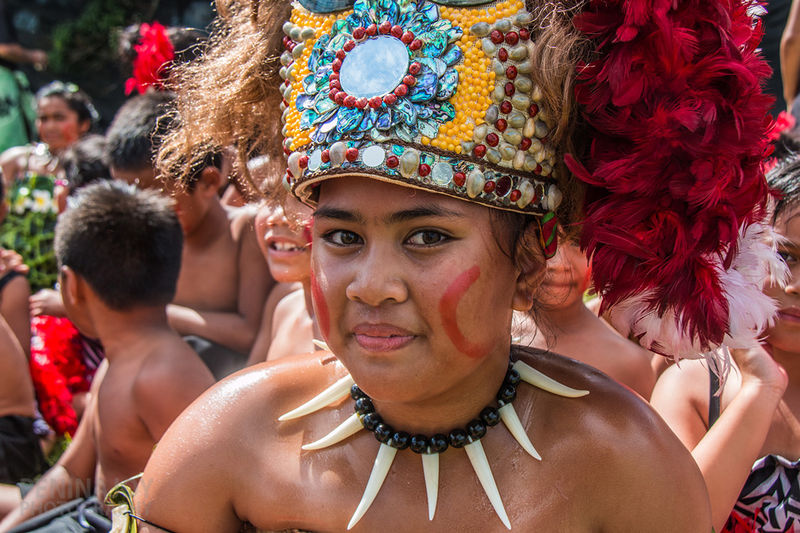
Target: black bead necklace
x=457, y=438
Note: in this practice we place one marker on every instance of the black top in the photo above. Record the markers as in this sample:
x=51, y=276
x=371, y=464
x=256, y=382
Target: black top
x=8, y=34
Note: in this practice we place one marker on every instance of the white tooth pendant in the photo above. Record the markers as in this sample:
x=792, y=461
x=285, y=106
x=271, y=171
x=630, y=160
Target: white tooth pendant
x=512, y=422
x=533, y=377
x=383, y=462
x=349, y=427
x=481, y=466
x=430, y=467
x=322, y=345
x=335, y=392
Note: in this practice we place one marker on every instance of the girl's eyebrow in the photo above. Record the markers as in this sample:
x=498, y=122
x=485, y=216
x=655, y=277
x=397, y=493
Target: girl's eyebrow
x=335, y=213
x=422, y=212
x=405, y=215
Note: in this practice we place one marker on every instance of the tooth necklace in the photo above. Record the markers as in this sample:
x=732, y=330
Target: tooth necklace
x=429, y=448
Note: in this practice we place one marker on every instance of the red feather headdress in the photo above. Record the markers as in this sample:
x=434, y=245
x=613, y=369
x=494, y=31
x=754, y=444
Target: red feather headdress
x=676, y=185
x=153, y=53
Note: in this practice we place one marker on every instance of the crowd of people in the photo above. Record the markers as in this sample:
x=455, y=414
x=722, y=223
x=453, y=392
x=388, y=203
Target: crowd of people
x=473, y=213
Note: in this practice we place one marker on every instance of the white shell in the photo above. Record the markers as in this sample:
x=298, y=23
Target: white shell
x=528, y=192
x=475, y=182
x=294, y=164
x=337, y=152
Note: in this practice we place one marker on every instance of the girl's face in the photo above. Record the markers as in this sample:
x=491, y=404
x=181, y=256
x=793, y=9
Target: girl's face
x=785, y=334
x=57, y=124
x=567, y=277
x=411, y=289
x=284, y=236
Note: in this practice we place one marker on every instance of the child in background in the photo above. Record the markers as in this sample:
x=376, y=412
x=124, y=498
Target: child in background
x=561, y=322
x=283, y=230
x=284, y=234
x=223, y=282
x=150, y=375
x=749, y=454
x=32, y=175
x=64, y=362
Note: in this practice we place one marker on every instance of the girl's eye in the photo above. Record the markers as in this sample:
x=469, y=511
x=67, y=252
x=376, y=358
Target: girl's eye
x=787, y=257
x=427, y=238
x=342, y=238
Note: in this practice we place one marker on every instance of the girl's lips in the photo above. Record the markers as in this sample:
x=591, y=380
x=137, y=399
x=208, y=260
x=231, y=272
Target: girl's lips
x=381, y=337
x=789, y=314
x=285, y=247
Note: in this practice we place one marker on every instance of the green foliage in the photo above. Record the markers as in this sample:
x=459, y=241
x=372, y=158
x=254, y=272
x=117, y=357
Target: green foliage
x=89, y=42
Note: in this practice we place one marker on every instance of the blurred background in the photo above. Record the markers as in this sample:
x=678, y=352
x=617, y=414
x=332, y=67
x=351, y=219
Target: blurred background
x=82, y=39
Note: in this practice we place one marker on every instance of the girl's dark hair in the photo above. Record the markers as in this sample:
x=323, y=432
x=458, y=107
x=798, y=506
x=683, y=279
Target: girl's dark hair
x=76, y=99
x=784, y=178
x=85, y=162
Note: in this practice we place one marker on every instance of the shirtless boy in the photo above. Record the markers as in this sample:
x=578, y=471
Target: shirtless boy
x=224, y=281
x=119, y=254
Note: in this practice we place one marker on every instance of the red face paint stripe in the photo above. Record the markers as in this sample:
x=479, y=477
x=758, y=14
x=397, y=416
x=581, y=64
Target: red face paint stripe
x=320, y=307
x=448, y=307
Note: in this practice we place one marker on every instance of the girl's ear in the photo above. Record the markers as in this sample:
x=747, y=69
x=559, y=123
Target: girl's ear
x=531, y=264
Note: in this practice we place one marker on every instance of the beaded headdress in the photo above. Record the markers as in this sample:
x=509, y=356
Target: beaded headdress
x=423, y=94
x=440, y=95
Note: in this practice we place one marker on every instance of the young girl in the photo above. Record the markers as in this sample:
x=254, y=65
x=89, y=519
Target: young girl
x=283, y=228
x=749, y=453
x=428, y=137
x=32, y=172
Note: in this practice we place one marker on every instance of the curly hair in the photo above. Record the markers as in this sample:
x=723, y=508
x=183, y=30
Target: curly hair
x=230, y=95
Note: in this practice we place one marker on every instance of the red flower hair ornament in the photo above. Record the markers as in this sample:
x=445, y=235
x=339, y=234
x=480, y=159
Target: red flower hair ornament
x=153, y=54
x=677, y=193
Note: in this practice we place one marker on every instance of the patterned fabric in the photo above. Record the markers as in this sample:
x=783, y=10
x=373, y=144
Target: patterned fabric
x=770, y=499
x=29, y=228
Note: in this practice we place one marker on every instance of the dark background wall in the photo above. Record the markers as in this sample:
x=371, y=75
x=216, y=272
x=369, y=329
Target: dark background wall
x=81, y=37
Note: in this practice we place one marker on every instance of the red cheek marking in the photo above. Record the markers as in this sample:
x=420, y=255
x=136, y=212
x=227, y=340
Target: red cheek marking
x=448, y=307
x=321, y=307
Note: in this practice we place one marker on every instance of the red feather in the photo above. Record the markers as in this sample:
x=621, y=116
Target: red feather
x=678, y=118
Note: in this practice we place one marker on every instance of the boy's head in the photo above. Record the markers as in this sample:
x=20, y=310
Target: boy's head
x=124, y=243
x=133, y=140
x=135, y=134
x=85, y=162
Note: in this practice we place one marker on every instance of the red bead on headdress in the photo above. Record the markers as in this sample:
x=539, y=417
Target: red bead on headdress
x=679, y=134
x=153, y=53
